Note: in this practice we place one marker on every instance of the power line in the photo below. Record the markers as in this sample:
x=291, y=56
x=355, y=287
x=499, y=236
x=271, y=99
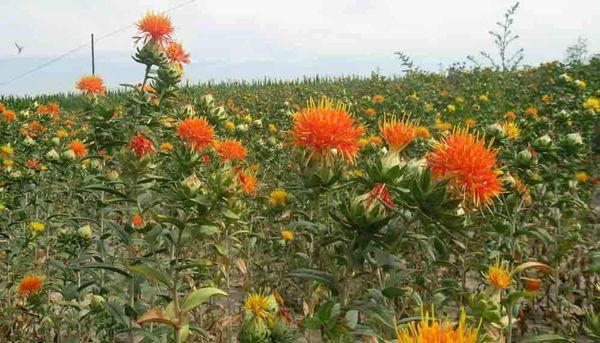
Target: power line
x=72, y=51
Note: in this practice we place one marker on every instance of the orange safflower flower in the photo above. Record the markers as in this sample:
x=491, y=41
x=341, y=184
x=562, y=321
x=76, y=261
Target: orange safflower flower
x=422, y=132
x=78, y=148
x=155, y=27
x=532, y=285
x=532, y=111
x=470, y=122
x=166, y=146
x=141, y=145
x=325, y=127
x=197, y=132
x=370, y=112
x=33, y=164
x=9, y=115
x=378, y=98
x=499, y=276
x=176, y=54
x=30, y=284
x=230, y=150
x=430, y=330
x=91, y=85
x=137, y=221
x=53, y=108
x=470, y=166
x=43, y=109
x=247, y=181
x=2, y=108
x=397, y=134
x=510, y=115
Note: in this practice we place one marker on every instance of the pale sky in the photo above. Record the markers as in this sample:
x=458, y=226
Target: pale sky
x=233, y=39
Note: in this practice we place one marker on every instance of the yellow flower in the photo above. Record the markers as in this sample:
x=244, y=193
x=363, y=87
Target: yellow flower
x=451, y=108
x=499, y=276
x=247, y=118
x=483, y=98
x=272, y=128
x=430, y=330
x=166, y=146
x=476, y=107
x=582, y=176
x=442, y=126
x=287, y=235
x=428, y=107
x=511, y=129
x=580, y=83
x=422, y=131
x=470, y=122
x=278, y=197
x=414, y=97
x=592, y=104
x=230, y=126
x=258, y=304
x=7, y=150
x=459, y=100
x=62, y=134
x=7, y=162
x=37, y=227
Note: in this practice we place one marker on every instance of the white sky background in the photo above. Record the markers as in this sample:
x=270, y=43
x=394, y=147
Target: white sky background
x=278, y=38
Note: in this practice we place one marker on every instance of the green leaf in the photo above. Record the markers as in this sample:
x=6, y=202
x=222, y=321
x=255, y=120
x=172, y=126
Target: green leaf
x=150, y=273
x=106, y=267
x=316, y=275
x=199, y=296
x=548, y=337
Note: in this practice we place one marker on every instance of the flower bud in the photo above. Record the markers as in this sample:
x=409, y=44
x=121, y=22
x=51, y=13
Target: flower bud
x=69, y=155
x=524, y=158
x=85, y=232
x=52, y=155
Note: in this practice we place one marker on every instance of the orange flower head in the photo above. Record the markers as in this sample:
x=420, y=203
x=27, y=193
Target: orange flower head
x=33, y=164
x=532, y=285
x=378, y=98
x=141, y=145
x=510, y=115
x=137, y=221
x=78, y=148
x=9, y=115
x=370, y=112
x=176, y=54
x=327, y=127
x=155, y=27
x=43, y=109
x=470, y=166
x=422, y=132
x=230, y=150
x=397, y=134
x=197, y=132
x=91, y=85
x=470, y=122
x=30, y=284
x=532, y=111
x=53, y=108
x=246, y=181
x=2, y=108
x=430, y=330
x=166, y=146
x=499, y=276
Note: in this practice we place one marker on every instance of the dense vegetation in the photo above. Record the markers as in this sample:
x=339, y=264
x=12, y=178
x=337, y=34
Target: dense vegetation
x=456, y=206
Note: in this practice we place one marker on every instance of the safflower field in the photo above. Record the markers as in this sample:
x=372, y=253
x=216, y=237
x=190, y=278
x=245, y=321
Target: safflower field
x=457, y=206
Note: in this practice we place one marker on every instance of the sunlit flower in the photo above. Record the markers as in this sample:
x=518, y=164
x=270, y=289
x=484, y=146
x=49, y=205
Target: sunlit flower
x=258, y=304
x=155, y=27
x=230, y=150
x=510, y=115
x=430, y=330
x=230, y=126
x=459, y=100
x=511, y=130
x=91, y=85
x=442, y=126
x=483, y=98
x=37, y=227
x=451, y=108
x=287, y=235
x=166, y=146
x=9, y=115
x=580, y=83
x=592, y=104
x=278, y=197
x=141, y=145
x=176, y=54
x=532, y=285
x=499, y=276
x=7, y=150
x=247, y=181
x=197, y=132
x=325, y=127
x=78, y=148
x=397, y=133
x=370, y=112
x=30, y=284
x=378, y=98
x=532, y=111
x=470, y=166
x=137, y=221
x=582, y=176
x=422, y=131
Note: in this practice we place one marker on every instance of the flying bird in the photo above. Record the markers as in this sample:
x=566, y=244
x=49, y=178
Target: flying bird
x=19, y=48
